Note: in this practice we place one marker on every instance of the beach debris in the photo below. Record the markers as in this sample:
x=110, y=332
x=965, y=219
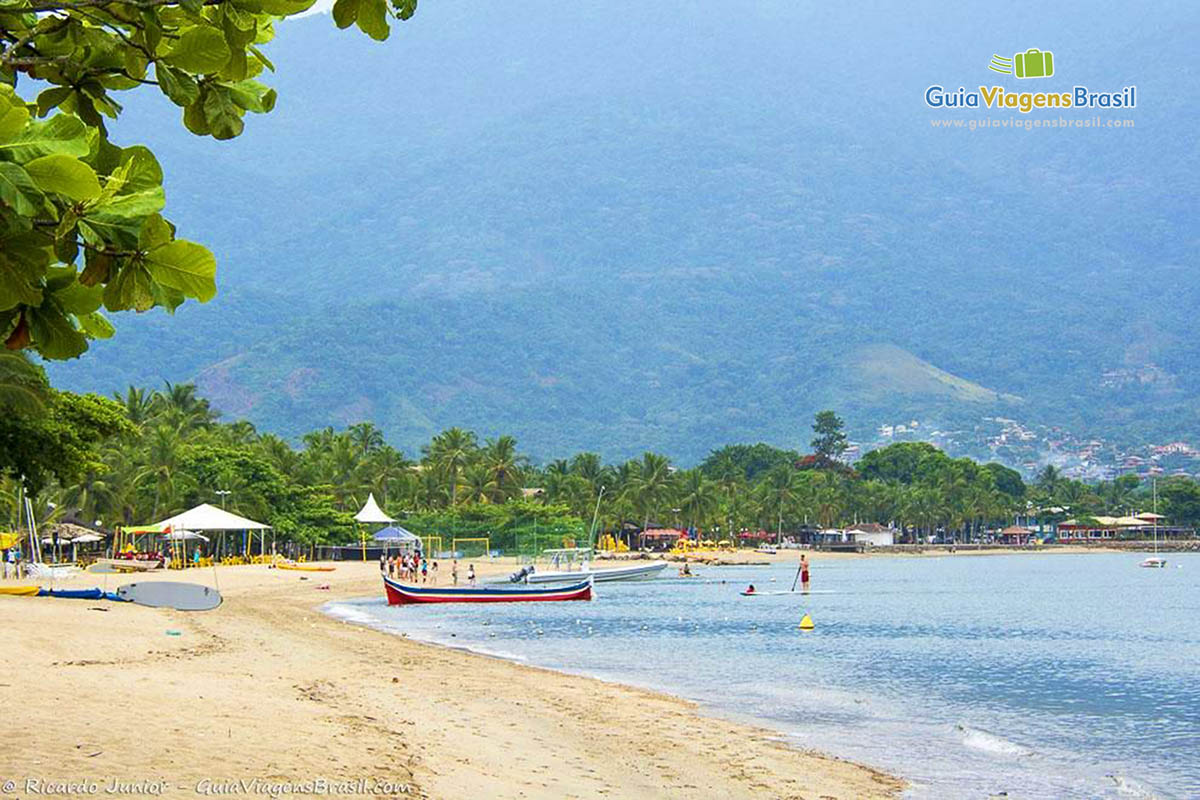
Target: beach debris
x=395, y=679
x=323, y=587
x=806, y=623
x=173, y=632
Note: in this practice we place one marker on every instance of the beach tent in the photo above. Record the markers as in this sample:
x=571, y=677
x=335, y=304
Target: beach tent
x=370, y=513
x=207, y=517
x=395, y=536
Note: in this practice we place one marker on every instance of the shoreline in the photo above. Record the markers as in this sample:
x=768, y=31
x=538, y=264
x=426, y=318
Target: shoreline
x=271, y=687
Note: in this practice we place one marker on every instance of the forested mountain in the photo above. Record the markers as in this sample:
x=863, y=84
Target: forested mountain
x=674, y=225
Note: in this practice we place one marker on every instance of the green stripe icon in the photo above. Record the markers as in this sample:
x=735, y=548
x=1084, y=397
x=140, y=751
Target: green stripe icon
x=1001, y=64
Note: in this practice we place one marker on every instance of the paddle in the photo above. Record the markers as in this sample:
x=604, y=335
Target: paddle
x=797, y=578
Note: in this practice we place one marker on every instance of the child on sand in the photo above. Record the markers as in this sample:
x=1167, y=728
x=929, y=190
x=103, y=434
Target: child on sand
x=471, y=575
x=454, y=572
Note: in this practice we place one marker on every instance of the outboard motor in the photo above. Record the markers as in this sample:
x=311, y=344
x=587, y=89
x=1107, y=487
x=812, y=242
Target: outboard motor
x=521, y=574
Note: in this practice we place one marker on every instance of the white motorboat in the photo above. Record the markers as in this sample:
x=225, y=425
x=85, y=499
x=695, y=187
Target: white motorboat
x=630, y=573
x=1154, y=561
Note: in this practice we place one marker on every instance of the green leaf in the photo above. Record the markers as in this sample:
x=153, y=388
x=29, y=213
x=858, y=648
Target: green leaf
x=405, y=8
x=52, y=98
x=59, y=134
x=222, y=114
x=252, y=96
x=194, y=118
x=54, y=334
x=66, y=175
x=201, y=50
x=125, y=207
x=156, y=231
x=96, y=325
x=372, y=19
x=13, y=119
x=79, y=299
x=15, y=285
x=130, y=288
x=177, y=85
x=18, y=191
x=143, y=172
x=186, y=266
x=285, y=8
x=345, y=12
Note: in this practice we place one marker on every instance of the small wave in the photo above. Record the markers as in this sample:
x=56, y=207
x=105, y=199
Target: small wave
x=353, y=614
x=991, y=743
x=1126, y=787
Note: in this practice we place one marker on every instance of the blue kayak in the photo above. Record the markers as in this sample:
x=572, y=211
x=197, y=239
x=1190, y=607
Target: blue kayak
x=81, y=594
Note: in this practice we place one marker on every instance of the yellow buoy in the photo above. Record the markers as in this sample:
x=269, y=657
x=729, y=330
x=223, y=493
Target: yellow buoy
x=806, y=623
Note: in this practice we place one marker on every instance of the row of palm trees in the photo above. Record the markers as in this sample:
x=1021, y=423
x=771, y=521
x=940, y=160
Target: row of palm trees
x=153, y=472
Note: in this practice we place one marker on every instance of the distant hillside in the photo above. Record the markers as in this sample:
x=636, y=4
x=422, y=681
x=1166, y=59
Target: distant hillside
x=667, y=226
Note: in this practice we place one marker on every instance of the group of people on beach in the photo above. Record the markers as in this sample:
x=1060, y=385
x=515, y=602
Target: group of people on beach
x=413, y=567
x=14, y=563
x=409, y=567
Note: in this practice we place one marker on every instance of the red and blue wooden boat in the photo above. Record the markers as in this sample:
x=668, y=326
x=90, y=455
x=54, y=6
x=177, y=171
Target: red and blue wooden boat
x=404, y=594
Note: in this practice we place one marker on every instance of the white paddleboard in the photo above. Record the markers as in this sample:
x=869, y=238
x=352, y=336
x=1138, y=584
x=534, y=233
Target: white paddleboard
x=171, y=594
x=786, y=591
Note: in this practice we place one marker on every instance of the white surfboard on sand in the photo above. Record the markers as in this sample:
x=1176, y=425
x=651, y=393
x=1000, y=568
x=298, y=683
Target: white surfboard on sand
x=171, y=594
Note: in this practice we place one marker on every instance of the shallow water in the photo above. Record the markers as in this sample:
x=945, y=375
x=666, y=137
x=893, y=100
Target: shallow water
x=1043, y=676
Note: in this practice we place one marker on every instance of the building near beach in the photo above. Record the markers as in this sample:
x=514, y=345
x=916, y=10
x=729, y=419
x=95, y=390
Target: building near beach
x=872, y=534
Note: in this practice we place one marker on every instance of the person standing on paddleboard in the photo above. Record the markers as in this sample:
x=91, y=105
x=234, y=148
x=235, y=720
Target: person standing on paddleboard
x=804, y=572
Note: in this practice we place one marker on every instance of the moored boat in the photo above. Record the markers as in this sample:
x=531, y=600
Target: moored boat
x=129, y=564
x=405, y=594
x=636, y=572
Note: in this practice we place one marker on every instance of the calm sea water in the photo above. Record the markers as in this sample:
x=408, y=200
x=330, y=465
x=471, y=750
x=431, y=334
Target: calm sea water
x=1043, y=676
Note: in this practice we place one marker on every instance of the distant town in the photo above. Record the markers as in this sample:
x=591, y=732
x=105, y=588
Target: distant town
x=1028, y=448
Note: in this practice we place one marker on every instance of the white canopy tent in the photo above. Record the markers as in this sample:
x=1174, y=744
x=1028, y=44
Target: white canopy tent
x=370, y=513
x=207, y=517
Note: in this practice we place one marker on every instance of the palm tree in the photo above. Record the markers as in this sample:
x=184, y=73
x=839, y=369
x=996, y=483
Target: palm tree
x=475, y=484
x=366, y=437
x=650, y=485
x=180, y=405
x=779, y=489
x=383, y=468
x=504, y=466
x=449, y=453
x=161, y=466
x=138, y=405
x=698, y=497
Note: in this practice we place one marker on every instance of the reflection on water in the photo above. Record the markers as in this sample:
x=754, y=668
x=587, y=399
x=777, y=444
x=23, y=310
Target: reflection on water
x=1037, y=675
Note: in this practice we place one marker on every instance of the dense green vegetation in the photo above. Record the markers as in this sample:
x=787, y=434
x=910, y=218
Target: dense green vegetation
x=163, y=451
x=80, y=219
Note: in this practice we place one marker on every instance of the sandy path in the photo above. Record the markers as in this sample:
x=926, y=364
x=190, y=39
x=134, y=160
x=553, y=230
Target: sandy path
x=266, y=687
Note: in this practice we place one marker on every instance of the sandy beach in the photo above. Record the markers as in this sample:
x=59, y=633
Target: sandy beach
x=267, y=695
